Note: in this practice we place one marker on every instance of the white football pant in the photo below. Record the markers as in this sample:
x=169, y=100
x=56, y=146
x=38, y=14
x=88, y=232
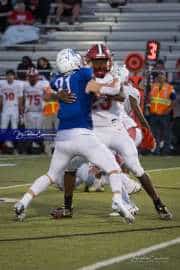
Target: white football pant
x=87, y=145
x=33, y=120
x=117, y=138
x=7, y=118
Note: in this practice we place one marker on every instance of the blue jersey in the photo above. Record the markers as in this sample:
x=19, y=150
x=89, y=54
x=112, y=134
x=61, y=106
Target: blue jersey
x=77, y=114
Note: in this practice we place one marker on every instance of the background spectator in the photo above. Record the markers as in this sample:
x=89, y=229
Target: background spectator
x=32, y=6
x=24, y=65
x=39, y=9
x=162, y=100
x=44, y=68
x=44, y=8
x=176, y=75
x=159, y=66
x=5, y=7
x=20, y=15
x=70, y=8
x=11, y=102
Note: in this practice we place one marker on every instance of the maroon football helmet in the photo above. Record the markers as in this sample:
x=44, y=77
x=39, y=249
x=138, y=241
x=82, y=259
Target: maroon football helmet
x=100, y=57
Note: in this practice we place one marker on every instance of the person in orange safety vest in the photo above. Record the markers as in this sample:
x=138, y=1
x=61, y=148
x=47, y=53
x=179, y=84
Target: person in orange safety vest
x=161, y=102
x=50, y=108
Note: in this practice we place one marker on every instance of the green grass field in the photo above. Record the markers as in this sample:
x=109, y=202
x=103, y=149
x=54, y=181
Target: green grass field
x=40, y=243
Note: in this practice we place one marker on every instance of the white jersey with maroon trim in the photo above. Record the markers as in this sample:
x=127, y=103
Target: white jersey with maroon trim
x=105, y=111
x=34, y=95
x=126, y=115
x=127, y=121
x=11, y=93
x=129, y=90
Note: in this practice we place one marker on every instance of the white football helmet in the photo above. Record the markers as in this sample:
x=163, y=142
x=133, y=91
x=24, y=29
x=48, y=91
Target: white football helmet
x=68, y=60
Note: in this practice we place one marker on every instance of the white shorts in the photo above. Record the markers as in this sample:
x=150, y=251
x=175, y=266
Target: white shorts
x=86, y=145
x=136, y=134
x=117, y=138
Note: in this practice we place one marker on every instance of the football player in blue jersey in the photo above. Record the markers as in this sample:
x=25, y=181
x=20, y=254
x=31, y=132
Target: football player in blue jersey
x=75, y=135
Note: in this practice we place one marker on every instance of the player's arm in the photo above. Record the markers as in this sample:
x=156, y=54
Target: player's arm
x=99, y=88
x=59, y=95
x=21, y=105
x=120, y=97
x=49, y=94
x=66, y=96
x=103, y=89
x=137, y=110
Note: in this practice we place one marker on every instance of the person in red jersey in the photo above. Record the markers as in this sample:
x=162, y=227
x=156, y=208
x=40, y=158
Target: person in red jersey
x=20, y=15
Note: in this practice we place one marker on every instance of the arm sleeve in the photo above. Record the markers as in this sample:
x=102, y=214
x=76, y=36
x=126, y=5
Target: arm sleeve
x=135, y=94
x=105, y=90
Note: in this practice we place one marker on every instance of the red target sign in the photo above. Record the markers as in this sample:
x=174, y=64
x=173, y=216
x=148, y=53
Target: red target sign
x=134, y=62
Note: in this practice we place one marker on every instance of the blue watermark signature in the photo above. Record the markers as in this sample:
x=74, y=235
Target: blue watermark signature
x=22, y=135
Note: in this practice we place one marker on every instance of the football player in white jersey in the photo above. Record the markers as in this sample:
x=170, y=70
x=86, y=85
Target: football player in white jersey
x=34, y=94
x=89, y=173
x=131, y=110
x=11, y=101
x=112, y=133
x=130, y=98
x=110, y=130
x=35, y=91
